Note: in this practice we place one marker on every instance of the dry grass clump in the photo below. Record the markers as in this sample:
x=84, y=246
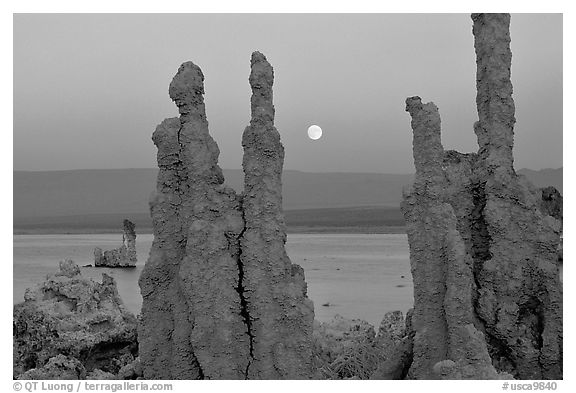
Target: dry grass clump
x=357, y=361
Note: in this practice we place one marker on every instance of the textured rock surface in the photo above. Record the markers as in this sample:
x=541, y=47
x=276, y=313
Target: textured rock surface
x=77, y=318
x=132, y=370
x=192, y=325
x=59, y=367
x=396, y=341
x=280, y=314
x=123, y=256
x=221, y=299
x=441, y=268
x=392, y=329
x=98, y=374
x=552, y=205
x=552, y=202
x=486, y=279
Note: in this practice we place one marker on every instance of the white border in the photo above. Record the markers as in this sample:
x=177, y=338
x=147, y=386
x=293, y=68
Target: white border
x=300, y=6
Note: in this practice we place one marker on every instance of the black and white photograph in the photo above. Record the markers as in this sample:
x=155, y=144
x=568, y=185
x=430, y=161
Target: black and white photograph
x=287, y=196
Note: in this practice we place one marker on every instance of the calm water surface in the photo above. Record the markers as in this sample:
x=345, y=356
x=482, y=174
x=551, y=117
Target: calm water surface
x=355, y=275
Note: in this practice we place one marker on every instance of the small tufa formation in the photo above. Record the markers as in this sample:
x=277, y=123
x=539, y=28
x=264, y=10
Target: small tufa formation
x=488, y=299
x=123, y=256
x=69, y=326
x=221, y=299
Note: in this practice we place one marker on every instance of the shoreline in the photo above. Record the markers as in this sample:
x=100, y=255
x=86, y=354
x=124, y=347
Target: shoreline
x=290, y=230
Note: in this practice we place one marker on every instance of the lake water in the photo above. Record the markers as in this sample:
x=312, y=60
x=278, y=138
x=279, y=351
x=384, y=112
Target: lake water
x=356, y=275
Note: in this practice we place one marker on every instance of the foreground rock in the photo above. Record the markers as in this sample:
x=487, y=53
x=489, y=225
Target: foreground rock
x=488, y=301
x=395, y=341
x=70, y=326
x=221, y=299
x=123, y=256
x=58, y=367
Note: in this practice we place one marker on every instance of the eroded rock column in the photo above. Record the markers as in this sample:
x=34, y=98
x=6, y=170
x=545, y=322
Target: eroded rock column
x=221, y=298
x=191, y=322
x=441, y=268
x=129, y=240
x=495, y=128
x=484, y=257
x=519, y=294
x=280, y=313
x=123, y=256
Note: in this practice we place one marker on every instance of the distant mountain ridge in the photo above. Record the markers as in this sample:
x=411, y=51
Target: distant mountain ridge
x=126, y=191
x=545, y=177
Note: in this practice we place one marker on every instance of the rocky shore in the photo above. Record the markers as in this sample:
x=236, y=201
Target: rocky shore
x=71, y=327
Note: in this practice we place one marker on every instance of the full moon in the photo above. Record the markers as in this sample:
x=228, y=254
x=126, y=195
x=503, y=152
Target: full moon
x=314, y=132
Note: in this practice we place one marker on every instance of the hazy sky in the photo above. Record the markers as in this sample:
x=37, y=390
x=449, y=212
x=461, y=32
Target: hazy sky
x=89, y=89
